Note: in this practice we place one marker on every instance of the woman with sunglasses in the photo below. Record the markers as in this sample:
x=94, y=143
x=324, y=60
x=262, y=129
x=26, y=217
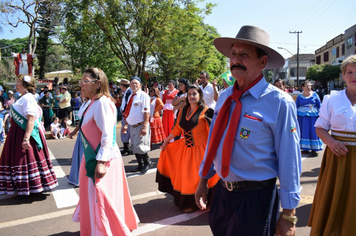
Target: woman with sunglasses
x=178, y=165
x=104, y=206
x=157, y=131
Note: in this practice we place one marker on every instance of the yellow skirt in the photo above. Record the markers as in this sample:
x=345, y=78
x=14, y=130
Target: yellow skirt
x=334, y=207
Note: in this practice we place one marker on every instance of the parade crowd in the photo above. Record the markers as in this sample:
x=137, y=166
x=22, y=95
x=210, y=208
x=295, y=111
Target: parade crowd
x=220, y=148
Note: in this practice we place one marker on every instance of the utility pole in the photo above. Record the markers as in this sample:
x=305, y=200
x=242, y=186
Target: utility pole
x=297, y=32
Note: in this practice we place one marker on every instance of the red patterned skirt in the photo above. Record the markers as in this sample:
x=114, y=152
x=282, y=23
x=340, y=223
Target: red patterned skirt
x=157, y=131
x=27, y=171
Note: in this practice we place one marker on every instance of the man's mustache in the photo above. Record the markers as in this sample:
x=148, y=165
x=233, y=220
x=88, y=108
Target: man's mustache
x=238, y=66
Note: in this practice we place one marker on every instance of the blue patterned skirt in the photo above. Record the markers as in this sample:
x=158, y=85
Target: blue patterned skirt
x=308, y=138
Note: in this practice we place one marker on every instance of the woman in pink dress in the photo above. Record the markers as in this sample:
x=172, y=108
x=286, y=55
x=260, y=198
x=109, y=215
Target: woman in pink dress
x=105, y=206
x=168, y=116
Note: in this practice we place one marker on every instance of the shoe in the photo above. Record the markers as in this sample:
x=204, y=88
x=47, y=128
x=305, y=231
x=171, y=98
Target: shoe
x=189, y=209
x=305, y=152
x=126, y=150
x=61, y=137
x=313, y=154
x=147, y=163
x=56, y=137
x=140, y=163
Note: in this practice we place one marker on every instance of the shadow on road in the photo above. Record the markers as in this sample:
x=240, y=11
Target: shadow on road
x=303, y=212
x=33, y=197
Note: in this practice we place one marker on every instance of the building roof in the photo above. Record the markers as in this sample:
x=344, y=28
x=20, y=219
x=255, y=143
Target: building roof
x=302, y=57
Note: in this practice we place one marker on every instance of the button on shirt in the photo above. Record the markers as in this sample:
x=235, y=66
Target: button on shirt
x=266, y=143
x=208, y=94
x=140, y=105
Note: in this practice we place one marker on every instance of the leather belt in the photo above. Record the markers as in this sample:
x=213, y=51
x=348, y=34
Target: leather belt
x=138, y=124
x=248, y=185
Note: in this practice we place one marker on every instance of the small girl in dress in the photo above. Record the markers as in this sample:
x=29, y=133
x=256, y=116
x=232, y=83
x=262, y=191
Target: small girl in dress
x=55, y=129
x=65, y=127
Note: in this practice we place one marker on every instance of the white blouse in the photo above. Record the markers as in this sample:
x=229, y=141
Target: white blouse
x=27, y=105
x=102, y=113
x=337, y=113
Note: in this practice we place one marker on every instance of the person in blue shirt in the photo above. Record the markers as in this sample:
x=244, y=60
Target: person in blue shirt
x=253, y=139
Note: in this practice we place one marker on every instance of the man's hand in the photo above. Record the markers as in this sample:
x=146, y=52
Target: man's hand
x=143, y=131
x=214, y=83
x=201, y=194
x=284, y=228
x=124, y=129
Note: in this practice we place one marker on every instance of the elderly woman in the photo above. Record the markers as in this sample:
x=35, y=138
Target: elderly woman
x=334, y=202
x=308, y=105
x=25, y=163
x=178, y=165
x=105, y=206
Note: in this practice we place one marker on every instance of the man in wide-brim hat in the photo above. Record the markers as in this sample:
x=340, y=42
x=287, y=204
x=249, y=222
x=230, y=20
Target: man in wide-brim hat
x=253, y=139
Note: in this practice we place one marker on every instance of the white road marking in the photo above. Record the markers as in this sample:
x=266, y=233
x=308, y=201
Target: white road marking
x=167, y=222
x=146, y=195
x=139, y=174
x=63, y=194
x=37, y=218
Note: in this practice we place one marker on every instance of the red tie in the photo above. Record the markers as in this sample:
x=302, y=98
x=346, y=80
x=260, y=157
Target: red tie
x=128, y=107
x=219, y=128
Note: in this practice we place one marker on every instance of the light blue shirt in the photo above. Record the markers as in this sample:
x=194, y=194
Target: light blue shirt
x=266, y=142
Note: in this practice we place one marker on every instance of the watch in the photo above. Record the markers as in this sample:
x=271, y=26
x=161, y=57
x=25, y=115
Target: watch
x=292, y=219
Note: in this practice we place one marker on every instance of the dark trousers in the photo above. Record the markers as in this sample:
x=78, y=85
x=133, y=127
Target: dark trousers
x=250, y=212
x=46, y=118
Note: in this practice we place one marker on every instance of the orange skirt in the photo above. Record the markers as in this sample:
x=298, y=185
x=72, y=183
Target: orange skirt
x=157, y=131
x=334, y=205
x=178, y=172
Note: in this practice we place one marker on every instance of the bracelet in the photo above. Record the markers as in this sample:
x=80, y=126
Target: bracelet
x=26, y=139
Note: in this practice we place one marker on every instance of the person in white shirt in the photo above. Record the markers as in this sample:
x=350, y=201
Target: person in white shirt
x=45, y=88
x=210, y=92
x=137, y=116
x=55, y=129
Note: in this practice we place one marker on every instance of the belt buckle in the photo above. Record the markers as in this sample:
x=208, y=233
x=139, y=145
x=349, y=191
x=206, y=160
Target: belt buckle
x=229, y=186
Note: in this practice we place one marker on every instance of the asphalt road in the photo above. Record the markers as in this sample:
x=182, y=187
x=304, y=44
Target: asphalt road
x=50, y=213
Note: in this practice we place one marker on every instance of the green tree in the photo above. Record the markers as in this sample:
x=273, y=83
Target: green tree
x=50, y=16
x=323, y=73
x=131, y=27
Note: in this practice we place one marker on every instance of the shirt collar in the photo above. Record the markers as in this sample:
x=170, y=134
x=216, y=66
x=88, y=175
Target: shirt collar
x=257, y=89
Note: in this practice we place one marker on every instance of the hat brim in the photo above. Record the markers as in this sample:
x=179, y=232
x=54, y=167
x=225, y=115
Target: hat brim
x=224, y=45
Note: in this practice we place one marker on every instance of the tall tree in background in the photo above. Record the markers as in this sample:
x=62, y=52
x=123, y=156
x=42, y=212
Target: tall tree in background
x=131, y=27
x=49, y=12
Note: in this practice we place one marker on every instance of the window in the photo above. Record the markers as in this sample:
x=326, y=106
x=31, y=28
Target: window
x=349, y=42
x=318, y=60
x=342, y=49
x=337, y=52
x=326, y=56
x=292, y=72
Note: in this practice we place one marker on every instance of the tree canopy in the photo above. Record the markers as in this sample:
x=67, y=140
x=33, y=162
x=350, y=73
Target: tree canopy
x=323, y=73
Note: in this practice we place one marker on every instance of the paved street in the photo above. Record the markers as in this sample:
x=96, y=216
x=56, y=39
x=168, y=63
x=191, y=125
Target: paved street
x=50, y=213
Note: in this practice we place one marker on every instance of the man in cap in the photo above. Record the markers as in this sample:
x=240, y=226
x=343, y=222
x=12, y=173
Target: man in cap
x=125, y=137
x=253, y=139
x=137, y=115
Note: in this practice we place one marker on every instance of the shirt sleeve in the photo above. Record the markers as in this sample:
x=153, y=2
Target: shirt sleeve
x=324, y=115
x=159, y=105
x=105, y=119
x=146, y=103
x=286, y=140
x=30, y=107
x=177, y=130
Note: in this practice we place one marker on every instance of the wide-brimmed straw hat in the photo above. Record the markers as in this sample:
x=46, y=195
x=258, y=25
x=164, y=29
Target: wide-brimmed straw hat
x=254, y=36
x=125, y=81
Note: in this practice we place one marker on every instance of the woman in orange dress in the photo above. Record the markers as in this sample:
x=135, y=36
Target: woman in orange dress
x=178, y=165
x=168, y=116
x=157, y=131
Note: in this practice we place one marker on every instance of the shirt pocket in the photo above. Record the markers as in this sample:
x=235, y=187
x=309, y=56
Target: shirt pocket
x=252, y=130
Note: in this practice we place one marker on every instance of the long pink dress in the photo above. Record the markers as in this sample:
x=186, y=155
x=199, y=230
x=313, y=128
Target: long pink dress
x=104, y=208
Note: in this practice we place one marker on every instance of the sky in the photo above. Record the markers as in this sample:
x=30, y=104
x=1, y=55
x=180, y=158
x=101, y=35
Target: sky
x=318, y=20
